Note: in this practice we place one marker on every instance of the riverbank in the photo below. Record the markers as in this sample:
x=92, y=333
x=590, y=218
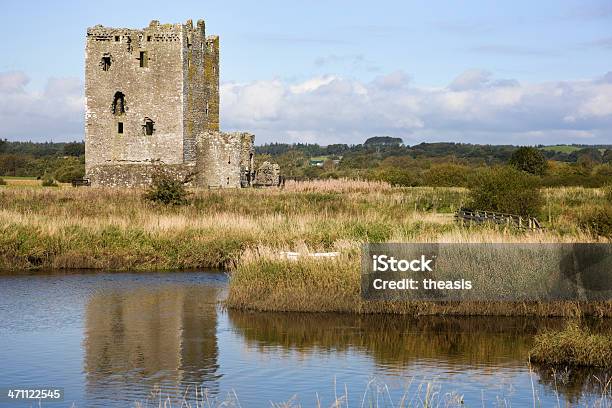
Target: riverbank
x=244, y=231
x=265, y=281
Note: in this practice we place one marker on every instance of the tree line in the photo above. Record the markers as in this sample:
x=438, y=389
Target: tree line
x=48, y=160
x=379, y=158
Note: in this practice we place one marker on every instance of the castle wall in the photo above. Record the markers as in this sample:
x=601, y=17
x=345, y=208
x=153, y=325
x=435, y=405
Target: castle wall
x=220, y=158
x=134, y=175
x=151, y=91
x=195, y=91
x=247, y=159
x=211, y=72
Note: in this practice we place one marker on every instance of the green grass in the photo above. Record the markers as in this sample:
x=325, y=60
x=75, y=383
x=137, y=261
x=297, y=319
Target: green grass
x=566, y=148
x=561, y=148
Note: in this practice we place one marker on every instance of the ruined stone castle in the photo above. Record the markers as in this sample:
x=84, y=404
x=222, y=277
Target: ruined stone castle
x=153, y=99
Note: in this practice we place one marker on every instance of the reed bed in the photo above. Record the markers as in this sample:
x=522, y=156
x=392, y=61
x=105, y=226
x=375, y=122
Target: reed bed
x=265, y=281
x=574, y=345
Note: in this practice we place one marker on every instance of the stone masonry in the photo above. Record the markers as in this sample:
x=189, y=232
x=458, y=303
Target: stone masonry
x=153, y=98
x=268, y=175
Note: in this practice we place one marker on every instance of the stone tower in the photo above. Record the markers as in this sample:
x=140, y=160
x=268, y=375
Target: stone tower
x=153, y=98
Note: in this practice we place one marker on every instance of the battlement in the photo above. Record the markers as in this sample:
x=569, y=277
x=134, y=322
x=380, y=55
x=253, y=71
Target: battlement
x=154, y=32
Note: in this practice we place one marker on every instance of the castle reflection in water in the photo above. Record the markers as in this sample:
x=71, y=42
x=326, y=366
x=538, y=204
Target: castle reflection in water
x=161, y=337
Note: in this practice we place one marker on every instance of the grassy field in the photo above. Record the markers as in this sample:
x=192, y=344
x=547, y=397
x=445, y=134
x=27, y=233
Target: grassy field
x=565, y=148
x=28, y=182
x=561, y=148
x=246, y=230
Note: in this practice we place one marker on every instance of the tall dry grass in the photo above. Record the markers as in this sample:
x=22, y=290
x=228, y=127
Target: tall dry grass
x=117, y=229
x=575, y=345
x=416, y=393
x=266, y=281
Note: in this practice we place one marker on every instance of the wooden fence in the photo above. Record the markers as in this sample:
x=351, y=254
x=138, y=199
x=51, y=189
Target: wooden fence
x=467, y=216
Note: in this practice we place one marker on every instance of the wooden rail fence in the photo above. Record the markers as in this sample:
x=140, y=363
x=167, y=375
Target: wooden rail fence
x=467, y=216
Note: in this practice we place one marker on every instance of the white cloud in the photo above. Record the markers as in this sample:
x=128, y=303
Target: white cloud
x=470, y=79
x=56, y=113
x=311, y=84
x=475, y=107
x=13, y=81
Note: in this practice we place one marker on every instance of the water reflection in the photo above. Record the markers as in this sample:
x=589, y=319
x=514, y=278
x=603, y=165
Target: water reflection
x=111, y=339
x=146, y=338
x=457, y=343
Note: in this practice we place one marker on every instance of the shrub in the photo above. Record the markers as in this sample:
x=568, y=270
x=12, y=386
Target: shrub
x=2, y=182
x=506, y=190
x=166, y=189
x=396, y=177
x=597, y=220
x=66, y=174
x=529, y=159
x=49, y=182
x=446, y=175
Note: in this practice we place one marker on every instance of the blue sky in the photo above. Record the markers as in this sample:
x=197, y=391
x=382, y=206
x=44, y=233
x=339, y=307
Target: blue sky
x=476, y=71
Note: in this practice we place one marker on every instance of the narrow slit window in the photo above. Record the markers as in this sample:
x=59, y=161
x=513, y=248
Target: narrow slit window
x=229, y=159
x=144, y=59
x=228, y=180
x=206, y=108
x=148, y=127
x=120, y=127
x=148, y=38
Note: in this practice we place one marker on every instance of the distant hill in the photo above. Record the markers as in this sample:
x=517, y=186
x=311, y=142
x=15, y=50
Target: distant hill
x=383, y=141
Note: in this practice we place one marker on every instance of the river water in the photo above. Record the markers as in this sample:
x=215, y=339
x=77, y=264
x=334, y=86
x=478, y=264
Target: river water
x=123, y=339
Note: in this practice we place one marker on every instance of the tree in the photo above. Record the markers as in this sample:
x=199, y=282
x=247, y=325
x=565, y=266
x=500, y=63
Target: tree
x=11, y=163
x=400, y=162
x=606, y=158
x=383, y=141
x=74, y=149
x=507, y=190
x=529, y=159
x=586, y=162
x=592, y=153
